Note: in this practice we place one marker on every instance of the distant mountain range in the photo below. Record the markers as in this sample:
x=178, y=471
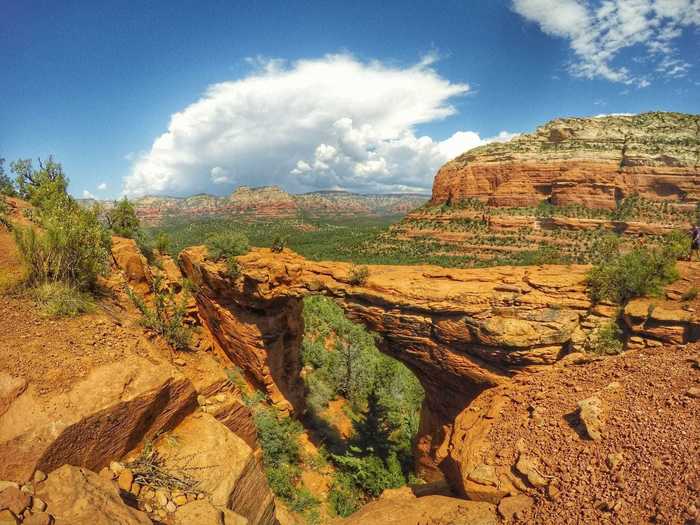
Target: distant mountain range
x=272, y=202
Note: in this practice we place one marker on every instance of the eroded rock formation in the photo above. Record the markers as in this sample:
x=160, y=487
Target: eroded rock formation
x=460, y=331
x=594, y=162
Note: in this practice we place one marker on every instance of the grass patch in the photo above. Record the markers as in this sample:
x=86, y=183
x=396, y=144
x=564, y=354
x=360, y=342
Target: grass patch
x=62, y=300
x=607, y=340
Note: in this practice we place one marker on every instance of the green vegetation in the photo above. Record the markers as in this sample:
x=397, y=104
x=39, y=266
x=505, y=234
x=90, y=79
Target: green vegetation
x=279, y=440
x=607, y=340
x=358, y=275
x=71, y=247
x=690, y=294
x=122, y=219
x=4, y=211
x=640, y=272
x=225, y=245
x=166, y=317
x=279, y=244
x=383, y=401
x=7, y=187
x=57, y=299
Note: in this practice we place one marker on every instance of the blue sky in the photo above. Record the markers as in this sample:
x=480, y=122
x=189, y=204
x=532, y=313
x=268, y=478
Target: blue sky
x=367, y=96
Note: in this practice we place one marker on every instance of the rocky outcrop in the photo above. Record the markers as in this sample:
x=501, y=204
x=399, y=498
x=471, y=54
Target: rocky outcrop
x=77, y=496
x=594, y=162
x=460, y=331
x=271, y=202
x=100, y=418
x=128, y=258
x=225, y=466
x=403, y=508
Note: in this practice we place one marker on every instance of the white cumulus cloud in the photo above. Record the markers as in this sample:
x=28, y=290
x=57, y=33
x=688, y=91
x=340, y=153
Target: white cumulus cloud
x=102, y=186
x=88, y=195
x=332, y=122
x=599, y=30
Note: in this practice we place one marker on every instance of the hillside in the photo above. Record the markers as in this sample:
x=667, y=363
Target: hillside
x=563, y=187
x=271, y=202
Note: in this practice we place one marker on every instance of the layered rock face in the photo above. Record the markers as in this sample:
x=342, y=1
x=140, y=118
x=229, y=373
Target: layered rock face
x=594, y=162
x=460, y=331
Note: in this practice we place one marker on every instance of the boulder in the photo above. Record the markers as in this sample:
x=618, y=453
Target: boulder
x=225, y=466
x=433, y=510
x=10, y=389
x=100, y=418
x=202, y=512
x=77, y=496
x=591, y=415
x=128, y=258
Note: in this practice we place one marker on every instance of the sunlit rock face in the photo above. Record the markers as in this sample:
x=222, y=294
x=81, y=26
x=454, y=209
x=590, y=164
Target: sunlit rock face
x=594, y=162
x=460, y=331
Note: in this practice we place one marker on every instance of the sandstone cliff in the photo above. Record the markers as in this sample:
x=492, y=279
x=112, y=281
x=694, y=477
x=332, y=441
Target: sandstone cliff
x=594, y=162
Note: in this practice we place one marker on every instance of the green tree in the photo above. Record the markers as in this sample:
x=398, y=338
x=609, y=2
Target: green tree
x=7, y=187
x=122, y=219
x=45, y=188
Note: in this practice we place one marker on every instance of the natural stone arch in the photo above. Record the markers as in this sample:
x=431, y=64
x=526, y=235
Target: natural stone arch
x=459, y=331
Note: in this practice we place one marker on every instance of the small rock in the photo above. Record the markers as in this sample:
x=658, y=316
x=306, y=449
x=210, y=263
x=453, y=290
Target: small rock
x=116, y=467
x=136, y=489
x=39, y=476
x=38, y=505
x=148, y=507
x=512, y=505
x=200, y=495
x=170, y=507
x=693, y=392
x=38, y=518
x=147, y=493
x=28, y=488
x=201, y=400
x=179, y=362
x=180, y=500
x=161, y=498
x=220, y=398
x=553, y=492
x=613, y=460
x=126, y=478
x=590, y=413
x=7, y=518
x=528, y=467
x=15, y=500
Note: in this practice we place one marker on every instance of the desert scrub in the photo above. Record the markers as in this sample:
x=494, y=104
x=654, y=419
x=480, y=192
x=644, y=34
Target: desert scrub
x=278, y=244
x=73, y=247
x=167, y=315
x=690, y=294
x=62, y=300
x=122, y=219
x=358, y=275
x=4, y=214
x=224, y=245
x=279, y=440
x=606, y=340
x=640, y=272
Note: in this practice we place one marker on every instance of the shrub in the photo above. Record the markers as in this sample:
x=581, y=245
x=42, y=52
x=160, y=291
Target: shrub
x=4, y=212
x=162, y=243
x=122, y=219
x=278, y=244
x=167, y=316
x=72, y=248
x=358, y=275
x=227, y=244
x=233, y=269
x=45, y=188
x=344, y=497
x=690, y=294
x=62, y=300
x=278, y=436
x=606, y=340
x=637, y=273
x=7, y=187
